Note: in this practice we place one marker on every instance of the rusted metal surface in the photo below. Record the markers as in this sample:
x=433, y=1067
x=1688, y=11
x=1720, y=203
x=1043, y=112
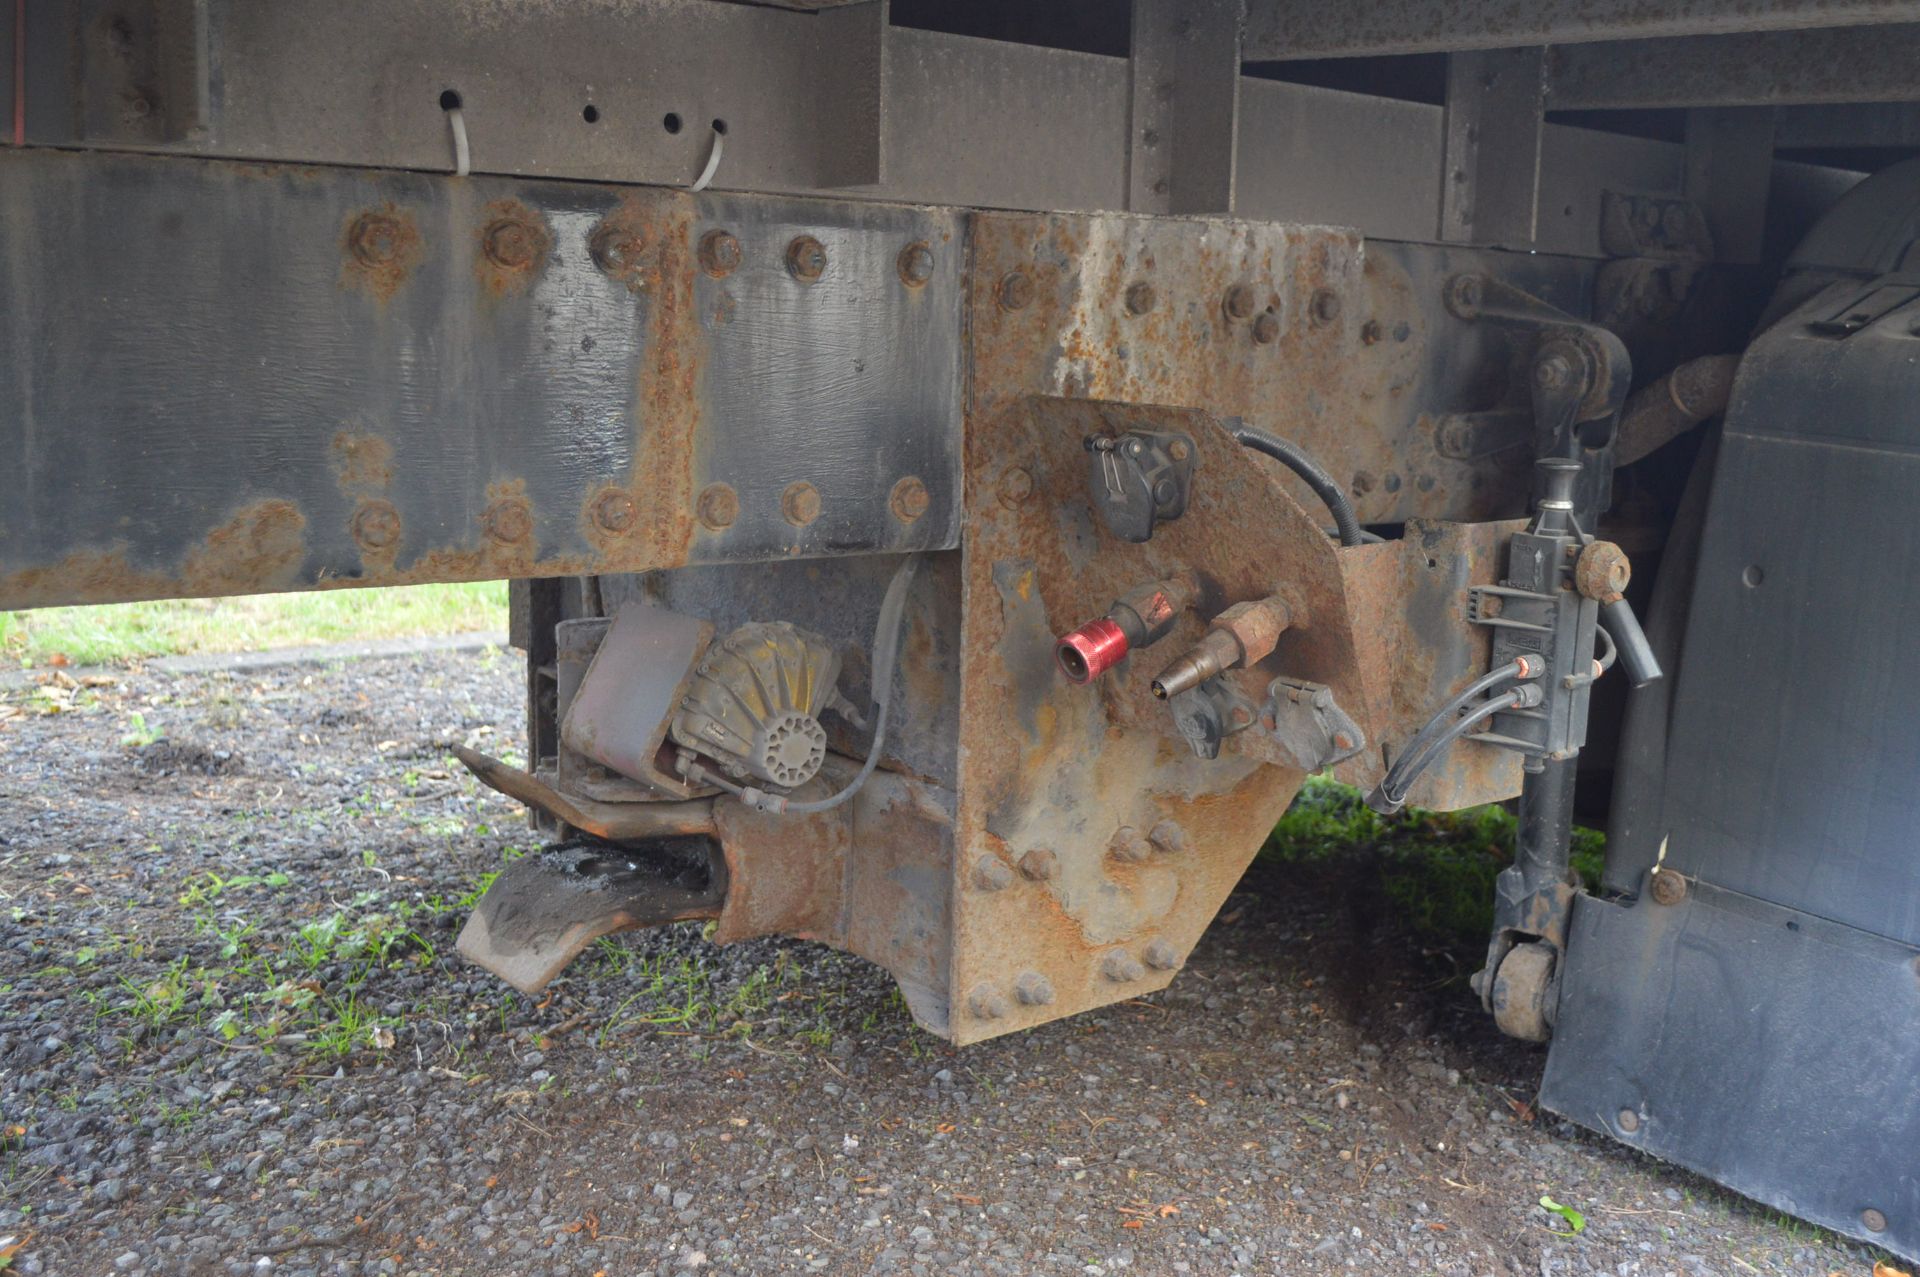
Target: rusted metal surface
x=544, y=909
x=451, y=379
x=613, y=821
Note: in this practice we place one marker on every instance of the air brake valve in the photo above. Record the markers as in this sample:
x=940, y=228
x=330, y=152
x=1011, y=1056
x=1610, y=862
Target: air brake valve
x=1242, y=635
x=1139, y=618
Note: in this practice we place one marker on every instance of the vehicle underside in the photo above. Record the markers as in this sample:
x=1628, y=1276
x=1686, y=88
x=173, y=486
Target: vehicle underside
x=963, y=465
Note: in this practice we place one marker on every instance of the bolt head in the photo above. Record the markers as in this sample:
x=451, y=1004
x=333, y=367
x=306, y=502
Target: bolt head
x=1627, y=1120
x=376, y=525
x=909, y=499
x=717, y=507
x=916, y=265
x=1667, y=887
x=1162, y=955
x=1015, y=291
x=614, y=511
x=616, y=249
x=800, y=503
x=1371, y=333
x=1141, y=297
x=508, y=521
x=1238, y=303
x=1040, y=864
x=1127, y=845
x=1874, y=1221
x=719, y=253
x=1266, y=329
x=1326, y=306
x=807, y=259
x=1033, y=989
x=1168, y=836
x=511, y=243
x=1121, y=967
x=990, y=873
x=376, y=238
x=1016, y=486
x=987, y=1002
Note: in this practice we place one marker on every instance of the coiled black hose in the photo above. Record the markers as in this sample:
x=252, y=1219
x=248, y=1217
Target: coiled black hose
x=1289, y=455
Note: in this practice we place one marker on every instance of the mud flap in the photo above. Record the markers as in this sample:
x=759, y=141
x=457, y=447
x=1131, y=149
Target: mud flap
x=543, y=910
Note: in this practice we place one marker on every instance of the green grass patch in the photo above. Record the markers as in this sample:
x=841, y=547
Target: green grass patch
x=133, y=631
x=1437, y=867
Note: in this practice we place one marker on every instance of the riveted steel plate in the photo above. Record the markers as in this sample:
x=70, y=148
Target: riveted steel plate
x=221, y=378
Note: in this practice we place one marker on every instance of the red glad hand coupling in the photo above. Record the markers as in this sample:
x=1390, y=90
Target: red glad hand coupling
x=1139, y=618
x=1093, y=649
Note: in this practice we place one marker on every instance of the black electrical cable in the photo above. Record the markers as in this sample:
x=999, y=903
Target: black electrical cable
x=1519, y=667
x=1293, y=458
x=1389, y=796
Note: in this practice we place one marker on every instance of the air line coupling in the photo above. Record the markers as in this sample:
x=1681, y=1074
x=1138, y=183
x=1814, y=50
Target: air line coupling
x=1244, y=634
x=1139, y=618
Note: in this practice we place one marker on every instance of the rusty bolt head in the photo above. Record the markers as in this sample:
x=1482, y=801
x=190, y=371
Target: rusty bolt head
x=987, y=1002
x=916, y=264
x=616, y=249
x=1178, y=449
x=1127, y=844
x=1465, y=293
x=717, y=507
x=511, y=243
x=1667, y=887
x=1371, y=333
x=1874, y=1221
x=1266, y=329
x=1553, y=372
x=1033, y=989
x=1121, y=966
x=1162, y=955
x=508, y=520
x=1140, y=298
x=1627, y=1120
x=909, y=499
x=1168, y=836
x=806, y=259
x=1040, y=864
x=1325, y=307
x=376, y=525
x=1015, y=487
x=376, y=238
x=1238, y=303
x=1015, y=291
x=1602, y=571
x=719, y=253
x=800, y=503
x=990, y=873
x=614, y=511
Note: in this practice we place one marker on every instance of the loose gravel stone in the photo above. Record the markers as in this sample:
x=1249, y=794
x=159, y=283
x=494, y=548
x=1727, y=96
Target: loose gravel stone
x=235, y=1038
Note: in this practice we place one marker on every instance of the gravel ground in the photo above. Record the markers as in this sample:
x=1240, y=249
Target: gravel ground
x=234, y=1038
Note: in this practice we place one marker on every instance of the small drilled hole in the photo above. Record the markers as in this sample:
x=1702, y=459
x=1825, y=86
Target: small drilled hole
x=1753, y=576
x=720, y=126
x=449, y=100
x=590, y=113
x=671, y=123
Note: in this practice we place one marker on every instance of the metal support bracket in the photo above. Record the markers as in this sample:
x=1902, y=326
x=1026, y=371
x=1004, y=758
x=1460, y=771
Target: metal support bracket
x=1184, y=87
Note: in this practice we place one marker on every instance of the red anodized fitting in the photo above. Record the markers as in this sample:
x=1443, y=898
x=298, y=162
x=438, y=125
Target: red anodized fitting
x=1090, y=651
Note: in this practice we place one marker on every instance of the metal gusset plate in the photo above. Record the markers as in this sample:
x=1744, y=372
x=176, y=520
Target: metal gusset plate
x=546, y=908
x=225, y=378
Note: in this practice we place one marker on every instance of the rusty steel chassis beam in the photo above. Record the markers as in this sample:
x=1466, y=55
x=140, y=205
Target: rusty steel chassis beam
x=405, y=377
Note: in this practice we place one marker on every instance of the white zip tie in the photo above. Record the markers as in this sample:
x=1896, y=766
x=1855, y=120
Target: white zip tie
x=713, y=162
x=462, y=157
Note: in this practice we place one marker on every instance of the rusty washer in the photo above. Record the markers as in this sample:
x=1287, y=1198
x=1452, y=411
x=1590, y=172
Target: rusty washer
x=719, y=253
x=806, y=259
